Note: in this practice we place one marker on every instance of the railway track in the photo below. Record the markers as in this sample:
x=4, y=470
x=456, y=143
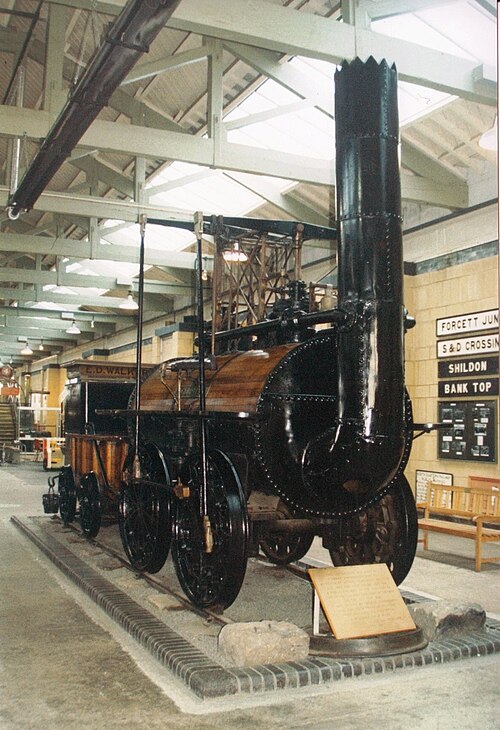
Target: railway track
x=211, y=615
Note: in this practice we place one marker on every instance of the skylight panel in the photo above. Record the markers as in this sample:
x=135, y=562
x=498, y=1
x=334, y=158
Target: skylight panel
x=472, y=32
x=454, y=28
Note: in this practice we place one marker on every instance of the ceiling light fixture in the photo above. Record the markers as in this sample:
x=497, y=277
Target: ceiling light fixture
x=129, y=302
x=27, y=349
x=235, y=254
x=92, y=323
x=40, y=346
x=73, y=329
x=489, y=140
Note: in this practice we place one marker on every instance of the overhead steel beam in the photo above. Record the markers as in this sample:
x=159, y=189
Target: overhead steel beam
x=162, y=145
x=100, y=318
x=423, y=190
x=268, y=64
x=424, y=165
x=72, y=300
x=35, y=333
x=142, y=114
x=129, y=37
x=196, y=150
x=94, y=207
x=277, y=28
x=55, y=278
x=105, y=173
x=154, y=143
x=292, y=207
x=153, y=68
x=27, y=244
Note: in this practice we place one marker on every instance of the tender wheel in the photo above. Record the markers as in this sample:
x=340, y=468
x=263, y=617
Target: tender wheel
x=67, y=495
x=145, y=513
x=282, y=548
x=385, y=532
x=90, y=505
x=211, y=578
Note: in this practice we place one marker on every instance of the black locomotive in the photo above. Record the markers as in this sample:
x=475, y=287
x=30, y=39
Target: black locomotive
x=278, y=432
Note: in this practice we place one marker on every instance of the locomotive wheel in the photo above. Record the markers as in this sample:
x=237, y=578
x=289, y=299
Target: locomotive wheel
x=385, y=532
x=145, y=514
x=211, y=578
x=90, y=505
x=281, y=548
x=67, y=495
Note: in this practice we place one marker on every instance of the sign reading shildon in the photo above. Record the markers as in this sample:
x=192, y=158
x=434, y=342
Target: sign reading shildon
x=487, y=365
x=463, y=323
x=478, y=344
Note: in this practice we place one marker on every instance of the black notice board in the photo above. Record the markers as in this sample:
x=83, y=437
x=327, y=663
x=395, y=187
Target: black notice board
x=470, y=433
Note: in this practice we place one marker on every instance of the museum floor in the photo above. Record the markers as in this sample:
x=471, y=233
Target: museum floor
x=64, y=664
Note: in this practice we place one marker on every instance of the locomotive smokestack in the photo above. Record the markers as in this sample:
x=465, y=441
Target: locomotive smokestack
x=362, y=451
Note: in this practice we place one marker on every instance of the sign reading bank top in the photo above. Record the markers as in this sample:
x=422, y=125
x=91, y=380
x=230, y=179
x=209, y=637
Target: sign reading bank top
x=459, y=346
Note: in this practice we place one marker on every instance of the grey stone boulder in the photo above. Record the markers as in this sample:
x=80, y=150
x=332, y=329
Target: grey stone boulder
x=263, y=642
x=441, y=619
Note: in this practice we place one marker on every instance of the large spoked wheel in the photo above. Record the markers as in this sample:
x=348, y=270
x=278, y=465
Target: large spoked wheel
x=283, y=548
x=385, y=532
x=145, y=513
x=67, y=495
x=211, y=578
x=90, y=505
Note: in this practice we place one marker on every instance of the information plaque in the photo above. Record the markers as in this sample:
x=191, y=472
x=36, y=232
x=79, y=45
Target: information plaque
x=422, y=479
x=470, y=431
x=361, y=600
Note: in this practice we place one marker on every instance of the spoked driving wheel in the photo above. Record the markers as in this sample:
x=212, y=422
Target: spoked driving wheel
x=145, y=521
x=386, y=532
x=90, y=505
x=67, y=495
x=211, y=575
x=283, y=548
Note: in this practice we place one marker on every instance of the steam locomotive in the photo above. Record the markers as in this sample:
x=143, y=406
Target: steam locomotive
x=278, y=432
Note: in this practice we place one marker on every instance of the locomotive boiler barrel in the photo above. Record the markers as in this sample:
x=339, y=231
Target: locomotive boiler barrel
x=362, y=451
x=235, y=384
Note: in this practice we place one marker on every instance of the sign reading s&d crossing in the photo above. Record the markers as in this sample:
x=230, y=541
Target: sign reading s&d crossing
x=478, y=344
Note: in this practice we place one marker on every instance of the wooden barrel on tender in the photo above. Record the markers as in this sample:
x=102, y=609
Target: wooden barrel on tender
x=102, y=454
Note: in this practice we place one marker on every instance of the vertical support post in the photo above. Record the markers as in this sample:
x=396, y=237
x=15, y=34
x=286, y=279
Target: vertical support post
x=16, y=143
x=198, y=229
x=54, y=95
x=215, y=95
x=138, y=355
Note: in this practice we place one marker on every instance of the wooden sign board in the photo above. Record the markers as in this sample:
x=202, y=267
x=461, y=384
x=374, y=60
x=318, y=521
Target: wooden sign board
x=361, y=600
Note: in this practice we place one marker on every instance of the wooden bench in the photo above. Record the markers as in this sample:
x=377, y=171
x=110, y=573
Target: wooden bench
x=469, y=508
